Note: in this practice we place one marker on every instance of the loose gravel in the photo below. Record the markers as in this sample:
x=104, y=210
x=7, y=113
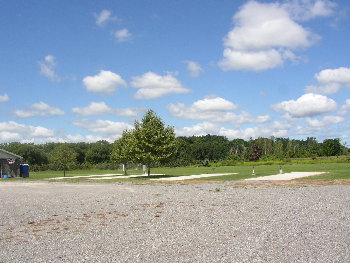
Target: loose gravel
x=221, y=222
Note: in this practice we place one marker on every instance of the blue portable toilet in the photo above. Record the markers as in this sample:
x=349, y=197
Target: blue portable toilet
x=24, y=170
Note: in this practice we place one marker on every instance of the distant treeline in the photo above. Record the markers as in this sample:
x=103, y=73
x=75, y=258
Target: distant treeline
x=194, y=150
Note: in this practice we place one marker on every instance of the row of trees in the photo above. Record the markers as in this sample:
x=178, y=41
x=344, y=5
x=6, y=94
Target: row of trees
x=154, y=144
x=83, y=155
x=216, y=148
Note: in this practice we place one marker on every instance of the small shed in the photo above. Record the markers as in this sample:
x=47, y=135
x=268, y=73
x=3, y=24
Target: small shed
x=9, y=164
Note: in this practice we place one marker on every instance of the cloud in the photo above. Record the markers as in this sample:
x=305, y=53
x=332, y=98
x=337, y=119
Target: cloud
x=104, y=17
x=331, y=80
x=345, y=109
x=105, y=82
x=325, y=121
x=47, y=68
x=122, y=35
x=101, y=108
x=200, y=129
x=194, y=69
x=251, y=60
x=253, y=132
x=308, y=9
x=4, y=98
x=214, y=104
x=308, y=105
x=152, y=85
x=74, y=138
x=13, y=131
x=38, y=109
x=264, y=36
x=107, y=130
x=276, y=129
x=129, y=112
x=94, y=108
x=215, y=109
x=110, y=129
x=319, y=125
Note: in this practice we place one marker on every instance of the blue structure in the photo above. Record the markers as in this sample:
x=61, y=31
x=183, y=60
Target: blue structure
x=24, y=170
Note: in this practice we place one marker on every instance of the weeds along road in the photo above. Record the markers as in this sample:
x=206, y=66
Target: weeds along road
x=93, y=222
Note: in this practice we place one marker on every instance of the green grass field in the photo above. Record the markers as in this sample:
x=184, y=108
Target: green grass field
x=335, y=171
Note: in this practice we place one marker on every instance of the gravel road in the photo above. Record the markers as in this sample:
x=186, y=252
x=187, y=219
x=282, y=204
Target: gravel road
x=61, y=222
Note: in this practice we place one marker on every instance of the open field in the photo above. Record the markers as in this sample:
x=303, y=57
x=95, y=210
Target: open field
x=334, y=171
x=218, y=222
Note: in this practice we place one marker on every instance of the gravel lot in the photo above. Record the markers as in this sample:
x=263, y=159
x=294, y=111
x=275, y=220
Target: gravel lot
x=61, y=222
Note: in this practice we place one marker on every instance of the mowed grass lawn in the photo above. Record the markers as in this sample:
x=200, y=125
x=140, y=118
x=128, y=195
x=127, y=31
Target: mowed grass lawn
x=334, y=171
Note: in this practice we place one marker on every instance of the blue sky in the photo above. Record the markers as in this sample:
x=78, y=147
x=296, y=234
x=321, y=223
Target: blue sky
x=85, y=70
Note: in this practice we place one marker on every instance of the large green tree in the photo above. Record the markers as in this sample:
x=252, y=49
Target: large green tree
x=152, y=142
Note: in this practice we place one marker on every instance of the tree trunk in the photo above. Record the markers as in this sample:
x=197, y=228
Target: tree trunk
x=148, y=171
x=64, y=172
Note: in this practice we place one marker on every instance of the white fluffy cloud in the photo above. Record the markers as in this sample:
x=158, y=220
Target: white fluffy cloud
x=331, y=80
x=109, y=129
x=122, y=35
x=105, y=82
x=275, y=129
x=47, y=68
x=13, y=131
x=264, y=34
x=325, y=121
x=94, y=108
x=101, y=108
x=4, y=98
x=324, y=125
x=213, y=104
x=38, y=109
x=260, y=26
x=194, y=69
x=200, y=129
x=251, y=60
x=308, y=105
x=214, y=109
x=104, y=17
x=152, y=85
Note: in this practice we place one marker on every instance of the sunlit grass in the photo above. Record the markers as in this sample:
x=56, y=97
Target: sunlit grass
x=334, y=171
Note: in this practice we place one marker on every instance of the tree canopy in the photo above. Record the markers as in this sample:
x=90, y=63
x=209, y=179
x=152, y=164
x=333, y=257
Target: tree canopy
x=150, y=142
x=123, y=149
x=64, y=158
